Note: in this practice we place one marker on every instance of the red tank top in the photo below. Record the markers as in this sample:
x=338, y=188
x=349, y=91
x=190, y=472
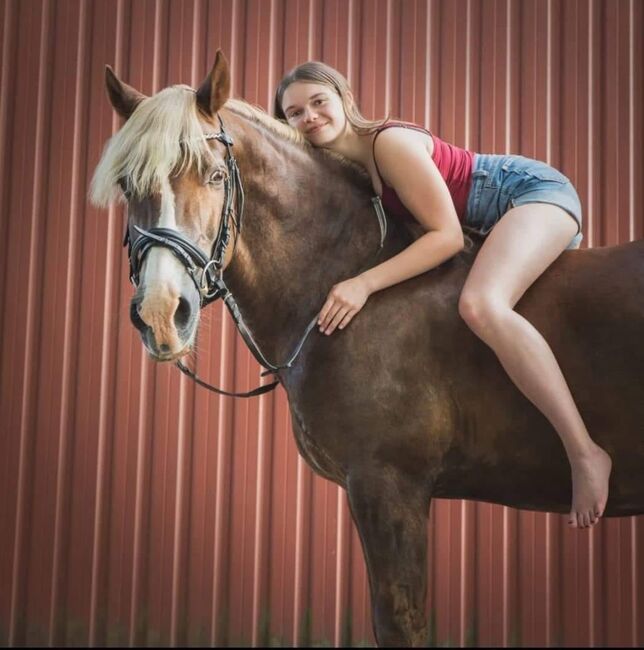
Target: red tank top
x=453, y=163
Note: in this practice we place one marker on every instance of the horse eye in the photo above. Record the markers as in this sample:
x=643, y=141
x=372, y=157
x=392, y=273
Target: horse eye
x=218, y=176
x=123, y=184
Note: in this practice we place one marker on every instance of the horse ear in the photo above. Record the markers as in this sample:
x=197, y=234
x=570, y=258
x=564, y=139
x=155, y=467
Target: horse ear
x=215, y=89
x=124, y=98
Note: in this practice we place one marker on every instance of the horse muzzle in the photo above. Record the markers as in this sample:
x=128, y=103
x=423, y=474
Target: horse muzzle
x=167, y=324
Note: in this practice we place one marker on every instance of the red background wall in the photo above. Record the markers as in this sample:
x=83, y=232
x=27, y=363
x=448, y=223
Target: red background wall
x=138, y=509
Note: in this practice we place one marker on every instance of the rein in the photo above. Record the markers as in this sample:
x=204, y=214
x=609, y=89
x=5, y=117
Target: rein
x=207, y=272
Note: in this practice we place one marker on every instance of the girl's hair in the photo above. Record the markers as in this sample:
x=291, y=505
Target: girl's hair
x=320, y=73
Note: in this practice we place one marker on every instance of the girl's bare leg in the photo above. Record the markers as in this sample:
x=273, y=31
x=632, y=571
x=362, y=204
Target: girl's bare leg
x=520, y=247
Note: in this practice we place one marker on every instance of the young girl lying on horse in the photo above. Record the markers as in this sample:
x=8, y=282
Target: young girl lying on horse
x=530, y=210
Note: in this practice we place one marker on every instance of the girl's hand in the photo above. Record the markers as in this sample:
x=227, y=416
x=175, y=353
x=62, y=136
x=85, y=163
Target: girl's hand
x=344, y=301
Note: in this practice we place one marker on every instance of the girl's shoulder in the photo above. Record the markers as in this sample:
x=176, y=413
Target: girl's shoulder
x=395, y=134
x=401, y=126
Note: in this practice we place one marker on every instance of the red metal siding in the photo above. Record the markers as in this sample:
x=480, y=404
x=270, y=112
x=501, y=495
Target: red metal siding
x=137, y=509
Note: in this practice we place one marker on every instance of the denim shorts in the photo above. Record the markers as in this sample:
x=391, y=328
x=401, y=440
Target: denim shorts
x=502, y=182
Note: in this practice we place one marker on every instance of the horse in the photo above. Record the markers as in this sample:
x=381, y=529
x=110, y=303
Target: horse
x=406, y=403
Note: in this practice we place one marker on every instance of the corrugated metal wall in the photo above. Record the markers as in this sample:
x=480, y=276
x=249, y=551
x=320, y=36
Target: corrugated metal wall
x=136, y=509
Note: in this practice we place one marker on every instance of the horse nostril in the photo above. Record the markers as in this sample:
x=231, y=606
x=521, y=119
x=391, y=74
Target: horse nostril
x=183, y=314
x=164, y=347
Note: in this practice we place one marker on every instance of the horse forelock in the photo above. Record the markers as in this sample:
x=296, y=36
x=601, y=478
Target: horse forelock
x=163, y=137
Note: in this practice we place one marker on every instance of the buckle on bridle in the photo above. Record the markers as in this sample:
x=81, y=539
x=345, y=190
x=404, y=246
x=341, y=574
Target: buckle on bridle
x=209, y=294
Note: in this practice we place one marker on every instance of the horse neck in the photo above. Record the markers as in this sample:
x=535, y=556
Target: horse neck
x=309, y=223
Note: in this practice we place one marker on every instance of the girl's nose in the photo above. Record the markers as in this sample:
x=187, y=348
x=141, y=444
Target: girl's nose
x=309, y=115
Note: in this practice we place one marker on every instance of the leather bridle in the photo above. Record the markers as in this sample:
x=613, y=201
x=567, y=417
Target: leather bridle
x=207, y=273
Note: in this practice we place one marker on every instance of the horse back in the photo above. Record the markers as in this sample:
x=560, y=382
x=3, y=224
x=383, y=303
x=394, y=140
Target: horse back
x=409, y=384
x=589, y=306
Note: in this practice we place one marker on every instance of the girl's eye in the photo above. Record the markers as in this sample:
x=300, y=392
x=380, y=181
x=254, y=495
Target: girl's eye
x=218, y=176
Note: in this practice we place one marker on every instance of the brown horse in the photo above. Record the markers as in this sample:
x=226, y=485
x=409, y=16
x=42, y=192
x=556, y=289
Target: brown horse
x=406, y=403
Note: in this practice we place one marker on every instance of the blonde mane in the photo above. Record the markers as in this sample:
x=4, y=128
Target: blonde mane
x=164, y=137
x=260, y=116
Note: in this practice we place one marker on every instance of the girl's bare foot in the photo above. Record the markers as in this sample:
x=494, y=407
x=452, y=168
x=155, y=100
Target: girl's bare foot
x=590, y=474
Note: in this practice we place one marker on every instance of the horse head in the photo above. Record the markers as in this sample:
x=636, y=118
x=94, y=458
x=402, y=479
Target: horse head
x=170, y=163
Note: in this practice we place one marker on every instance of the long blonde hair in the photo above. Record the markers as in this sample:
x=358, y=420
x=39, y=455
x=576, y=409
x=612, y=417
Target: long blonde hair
x=317, y=72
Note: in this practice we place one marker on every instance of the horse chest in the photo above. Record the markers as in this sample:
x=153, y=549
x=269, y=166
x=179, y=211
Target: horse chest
x=313, y=452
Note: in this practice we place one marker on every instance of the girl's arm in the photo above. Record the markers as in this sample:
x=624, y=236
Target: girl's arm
x=405, y=164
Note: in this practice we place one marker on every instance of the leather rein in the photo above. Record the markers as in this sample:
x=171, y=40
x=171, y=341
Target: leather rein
x=207, y=272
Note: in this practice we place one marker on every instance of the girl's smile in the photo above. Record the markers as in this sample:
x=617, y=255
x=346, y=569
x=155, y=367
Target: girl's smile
x=315, y=129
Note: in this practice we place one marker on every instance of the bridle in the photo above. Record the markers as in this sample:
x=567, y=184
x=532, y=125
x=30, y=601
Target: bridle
x=207, y=272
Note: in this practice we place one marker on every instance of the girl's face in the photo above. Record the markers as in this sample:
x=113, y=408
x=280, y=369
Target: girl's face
x=316, y=111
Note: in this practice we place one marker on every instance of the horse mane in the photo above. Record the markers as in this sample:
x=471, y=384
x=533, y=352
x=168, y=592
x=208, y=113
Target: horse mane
x=260, y=116
x=163, y=137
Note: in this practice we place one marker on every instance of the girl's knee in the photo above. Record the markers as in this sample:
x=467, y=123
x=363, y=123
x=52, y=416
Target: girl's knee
x=481, y=312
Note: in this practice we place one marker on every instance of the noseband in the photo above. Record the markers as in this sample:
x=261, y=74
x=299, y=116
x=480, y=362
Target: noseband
x=207, y=273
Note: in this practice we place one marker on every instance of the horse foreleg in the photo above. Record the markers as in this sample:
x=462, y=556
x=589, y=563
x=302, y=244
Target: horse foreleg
x=390, y=511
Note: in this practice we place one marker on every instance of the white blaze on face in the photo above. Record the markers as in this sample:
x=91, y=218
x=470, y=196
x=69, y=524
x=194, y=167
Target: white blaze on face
x=161, y=267
x=162, y=278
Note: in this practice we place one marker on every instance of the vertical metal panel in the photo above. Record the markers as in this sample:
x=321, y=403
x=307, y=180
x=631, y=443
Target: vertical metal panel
x=136, y=509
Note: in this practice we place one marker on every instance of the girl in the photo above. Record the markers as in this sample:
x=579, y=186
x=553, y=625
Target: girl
x=530, y=210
